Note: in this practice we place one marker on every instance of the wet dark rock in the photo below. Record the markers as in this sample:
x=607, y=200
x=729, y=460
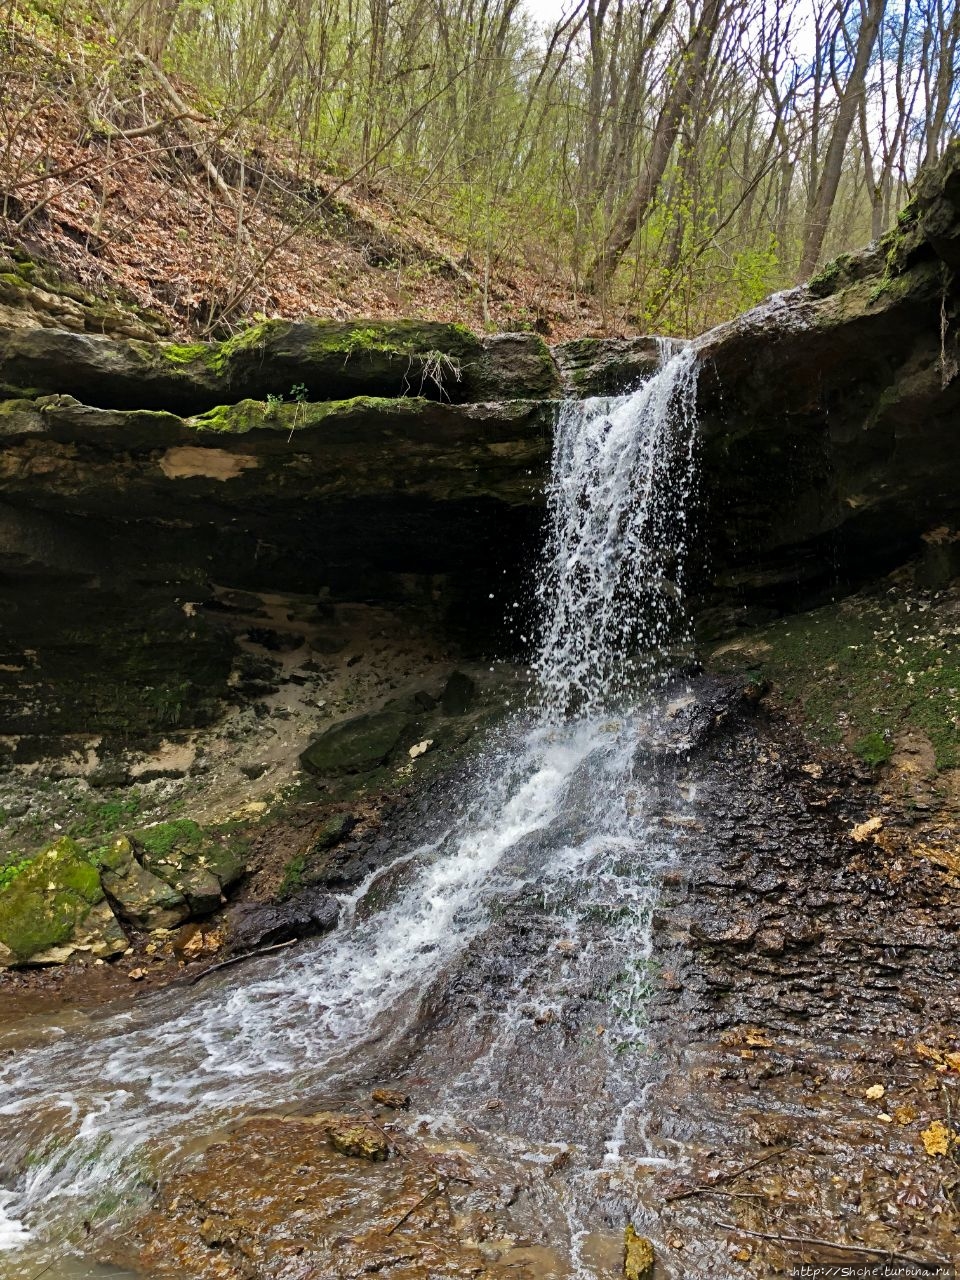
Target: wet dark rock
x=458, y=694
x=606, y=366
x=357, y=745
x=513, y=365
x=844, y=388
x=333, y=831
x=257, y=924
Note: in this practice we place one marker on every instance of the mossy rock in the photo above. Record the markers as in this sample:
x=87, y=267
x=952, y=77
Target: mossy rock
x=287, y=361
x=55, y=906
x=197, y=862
x=357, y=745
x=142, y=898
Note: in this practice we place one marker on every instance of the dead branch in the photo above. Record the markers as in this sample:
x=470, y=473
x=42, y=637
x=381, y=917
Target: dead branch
x=247, y=955
x=889, y=1254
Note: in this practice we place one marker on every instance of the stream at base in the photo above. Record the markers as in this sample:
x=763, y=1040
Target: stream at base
x=508, y=959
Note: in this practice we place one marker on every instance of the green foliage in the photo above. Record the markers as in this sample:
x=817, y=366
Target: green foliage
x=11, y=868
x=97, y=820
x=756, y=273
x=522, y=151
x=874, y=749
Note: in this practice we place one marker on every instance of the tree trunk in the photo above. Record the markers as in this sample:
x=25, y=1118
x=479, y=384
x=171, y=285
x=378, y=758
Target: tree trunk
x=689, y=74
x=871, y=16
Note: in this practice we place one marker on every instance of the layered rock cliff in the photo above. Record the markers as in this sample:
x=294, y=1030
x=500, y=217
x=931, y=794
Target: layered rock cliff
x=404, y=463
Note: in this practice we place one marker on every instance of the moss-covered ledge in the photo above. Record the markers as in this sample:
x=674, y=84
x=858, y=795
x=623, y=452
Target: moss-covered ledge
x=141, y=464
x=281, y=359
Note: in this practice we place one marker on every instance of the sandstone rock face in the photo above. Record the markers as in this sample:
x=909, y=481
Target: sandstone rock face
x=110, y=521
x=606, y=366
x=830, y=436
x=308, y=360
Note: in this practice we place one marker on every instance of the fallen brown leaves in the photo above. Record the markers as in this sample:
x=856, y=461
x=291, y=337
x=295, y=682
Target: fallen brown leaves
x=141, y=215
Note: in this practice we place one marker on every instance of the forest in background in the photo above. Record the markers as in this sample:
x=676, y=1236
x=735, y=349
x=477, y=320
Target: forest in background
x=653, y=165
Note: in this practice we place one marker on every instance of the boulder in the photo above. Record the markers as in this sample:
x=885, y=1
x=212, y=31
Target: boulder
x=261, y=924
x=606, y=366
x=458, y=694
x=141, y=898
x=353, y=1136
x=54, y=908
x=357, y=745
x=199, y=864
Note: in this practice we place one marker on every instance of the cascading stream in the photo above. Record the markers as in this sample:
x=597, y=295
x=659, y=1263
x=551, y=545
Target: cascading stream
x=557, y=819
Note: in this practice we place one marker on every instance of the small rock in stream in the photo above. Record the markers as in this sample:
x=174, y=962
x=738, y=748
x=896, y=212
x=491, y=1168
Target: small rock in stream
x=262, y=924
x=392, y=1098
x=639, y=1259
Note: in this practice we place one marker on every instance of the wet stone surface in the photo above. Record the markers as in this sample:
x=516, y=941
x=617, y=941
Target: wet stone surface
x=734, y=1030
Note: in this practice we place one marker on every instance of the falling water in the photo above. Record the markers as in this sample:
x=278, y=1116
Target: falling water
x=555, y=830
x=620, y=492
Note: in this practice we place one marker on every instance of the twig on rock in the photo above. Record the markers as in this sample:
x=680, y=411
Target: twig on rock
x=729, y=1177
x=247, y=955
x=434, y=1190
x=835, y=1244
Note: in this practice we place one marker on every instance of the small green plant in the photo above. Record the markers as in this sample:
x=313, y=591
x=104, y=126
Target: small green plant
x=874, y=750
x=10, y=870
x=299, y=395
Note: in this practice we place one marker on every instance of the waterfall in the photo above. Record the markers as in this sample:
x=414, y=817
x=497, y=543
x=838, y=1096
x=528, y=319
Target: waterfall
x=620, y=492
x=555, y=824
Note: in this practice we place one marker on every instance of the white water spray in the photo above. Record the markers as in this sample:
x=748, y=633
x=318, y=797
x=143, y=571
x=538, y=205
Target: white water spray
x=612, y=600
x=558, y=813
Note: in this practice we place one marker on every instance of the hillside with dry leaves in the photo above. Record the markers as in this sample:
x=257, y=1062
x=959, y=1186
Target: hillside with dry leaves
x=111, y=174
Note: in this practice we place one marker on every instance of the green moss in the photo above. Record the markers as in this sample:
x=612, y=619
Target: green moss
x=862, y=672
x=162, y=839
x=173, y=849
x=102, y=819
x=189, y=353
x=294, y=874
x=831, y=278
x=874, y=749
x=218, y=357
x=48, y=898
x=253, y=415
